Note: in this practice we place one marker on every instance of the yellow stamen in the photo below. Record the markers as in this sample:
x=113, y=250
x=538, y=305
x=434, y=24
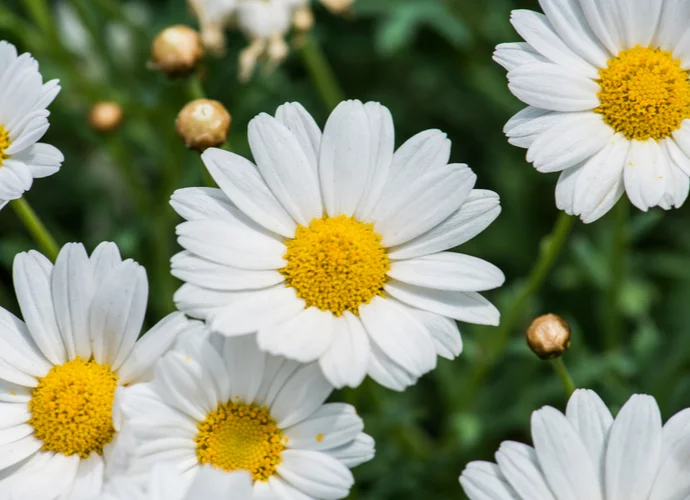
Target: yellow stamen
x=4, y=144
x=72, y=406
x=336, y=264
x=644, y=93
x=237, y=436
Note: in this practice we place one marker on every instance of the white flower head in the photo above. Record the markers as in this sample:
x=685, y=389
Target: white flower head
x=23, y=121
x=333, y=246
x=587, y=454
x=63, y=371
x=609, y=100
x=221, y=402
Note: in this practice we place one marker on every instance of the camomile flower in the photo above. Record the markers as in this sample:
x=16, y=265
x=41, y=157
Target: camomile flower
x=221, y=402
x=214, y=16
x=60, y=371
x=587, y=454
x=607, y=86
x=166, y=483
x=333, y=246
x=23, y=121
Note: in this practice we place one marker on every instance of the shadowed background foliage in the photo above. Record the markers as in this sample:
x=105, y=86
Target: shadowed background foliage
x=623, y=282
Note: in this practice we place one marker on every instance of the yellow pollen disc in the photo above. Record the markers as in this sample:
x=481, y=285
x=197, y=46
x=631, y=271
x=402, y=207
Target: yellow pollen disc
x=336, y=264
x=644, y=93
x=4, y=143
x=237, y=436
x=71, y=408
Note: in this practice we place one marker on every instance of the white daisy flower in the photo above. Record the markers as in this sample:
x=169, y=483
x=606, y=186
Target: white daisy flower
x=222, y=402
x=166, y=483
x=609, y=100
x=585, y=454
x=23, y=121
x=332, y=247
x=59, y=371
x=214, y=16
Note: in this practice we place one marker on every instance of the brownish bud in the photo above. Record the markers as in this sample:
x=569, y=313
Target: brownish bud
x=176, y=51
x=338, y=6
x=303, y=19
x=549, y=336
x=105, y=116
x=203, y=124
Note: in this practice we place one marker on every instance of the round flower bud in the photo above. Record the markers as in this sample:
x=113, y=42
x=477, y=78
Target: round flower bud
x=548, y=336
x=105, y=116
x=338, y=6
x=203, y=124
x=303, y=19
x=176, y=51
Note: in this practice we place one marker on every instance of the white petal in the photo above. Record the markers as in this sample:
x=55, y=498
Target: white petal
x=671, y=482
x=276, y=487
x=303, y=393
x=643, y=174
x=332, y=425
x=316, y=474
x=30, y=134
x=245, y=365
x=304, y=337
x=12, y=453
x=346, y=360
x=640, y=21
x=605, y=21
x=42, y=160
x=512, y=55
x=677, y=181
x=105, y=257
x=345, y=158
x=476, y=214
x=444, y=332
x=17, y=346
x=634, y=450
x=178, y=380
x=469, y=307
x=215, y=484
x=549, y=86
x=672, y=24
x=241, y=182
x=200, y=203
x=565, y=189
x=519, y=465
x=304, y=128
x=483, y=481
x=89, y=479
x=356, y=452
x=285, y=168
x=383, y=370
x=677, y=155
x=199, y=302
x=13, y=414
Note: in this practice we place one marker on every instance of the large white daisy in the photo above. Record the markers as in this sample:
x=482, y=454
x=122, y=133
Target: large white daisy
x=586, y=454
x=222, y=402
x=332, y=247
x=59, y=371
x=23, y=121
x=609, y=100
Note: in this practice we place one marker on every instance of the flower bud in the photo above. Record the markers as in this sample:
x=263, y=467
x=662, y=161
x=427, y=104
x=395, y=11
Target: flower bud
x=548, y=336
x=105, y=116
x=303, y=19
x=176, y=51
x=338, y=6
x=203, y=124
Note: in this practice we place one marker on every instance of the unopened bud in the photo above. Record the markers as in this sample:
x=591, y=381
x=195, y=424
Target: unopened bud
x=303, y=19
x=203, y=124
x=548, y=336
x=176, y=51
x=105, y=116
x=338, y=6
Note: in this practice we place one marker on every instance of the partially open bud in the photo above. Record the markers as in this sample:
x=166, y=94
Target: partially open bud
x=105, y=116
x=203, y=124
x=338, y=6
x=176, y=51
x=548, y=336
x=303, y=19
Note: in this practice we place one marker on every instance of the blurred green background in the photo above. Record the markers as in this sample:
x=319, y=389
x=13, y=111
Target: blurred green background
x=623, y=282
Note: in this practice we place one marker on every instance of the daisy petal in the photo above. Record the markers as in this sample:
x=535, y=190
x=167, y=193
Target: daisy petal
x=89, y=479
x=346, y=360
x=304, y=338
x=199, y=203
x=643, y=173
x=304, y=128
x=316, y=474
x=104, y=258
x=12, y=453
x=605, y=21
x=386, y=372
x=42, y=160
x=672, y=24
x=640, y=21
x=304, y=392
x=519, y=465
x=332, y=425
x=565, y=189
x=444, y=332
x=483, y=481
x=245, y=365
x=358, y=451
x=512, y=55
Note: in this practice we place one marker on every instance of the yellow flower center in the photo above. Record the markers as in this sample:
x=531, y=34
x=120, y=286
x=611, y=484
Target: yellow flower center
x=4, y=143
x=72, y=407
x=336, y=264
x=237, y=436
x=644, y=93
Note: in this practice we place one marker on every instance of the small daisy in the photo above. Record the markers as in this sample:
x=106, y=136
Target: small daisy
x=59, y=371
x=222, y=402
x=166, y=483
x=214, y=16
x=586, y=454
x=609, y=100
x=23, y=121
x=332, y=247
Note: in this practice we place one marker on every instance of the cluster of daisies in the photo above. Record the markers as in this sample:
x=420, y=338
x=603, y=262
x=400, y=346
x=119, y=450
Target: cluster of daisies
x=265, y=23
x=325, y=261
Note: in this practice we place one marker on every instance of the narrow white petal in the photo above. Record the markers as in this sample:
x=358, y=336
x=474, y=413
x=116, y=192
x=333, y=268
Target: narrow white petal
x=383, y=370
x=245, y=365
x=12, y=453
x=104, y=258
x=519, y=465
x=484, y=481
x=565, y=189
x=304, y=392
x=347, y=358
x=444, y=332
x=215, y=484
x=41, y=160
x=316, y=474
x=304, y=128
x=358, y=451
x=643, y=173
x=640, y=21
x=200, y=203
x=332, y=425
x=88, y=482
x=304, y=337
x=672, y=24
x=18, y=348
x=512, y=55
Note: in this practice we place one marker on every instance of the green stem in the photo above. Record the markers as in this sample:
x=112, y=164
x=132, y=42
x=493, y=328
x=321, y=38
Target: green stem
x=619, y=248
x=195, y=89
x=321, y=73
x=36, y=228
x=550, y=252
x=564, y=376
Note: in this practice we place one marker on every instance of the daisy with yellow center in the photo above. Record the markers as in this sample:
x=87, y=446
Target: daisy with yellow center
x=334, y=246
x=23, y=121
x=608, y=91
x=62, y=370
x=222, y=403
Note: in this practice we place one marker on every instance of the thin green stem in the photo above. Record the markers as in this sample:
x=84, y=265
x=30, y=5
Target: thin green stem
x=195, y=89
x=564, y=376
x=617, y=261
x=550, y=252
x=37, y=229
x=321, y=73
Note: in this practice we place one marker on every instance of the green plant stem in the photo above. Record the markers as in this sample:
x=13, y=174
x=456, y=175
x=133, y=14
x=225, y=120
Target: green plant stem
x=617, y=261
x=321, y=73
x=37, y=229
x=564, y=376
x=550, y=252
x=195, y=89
